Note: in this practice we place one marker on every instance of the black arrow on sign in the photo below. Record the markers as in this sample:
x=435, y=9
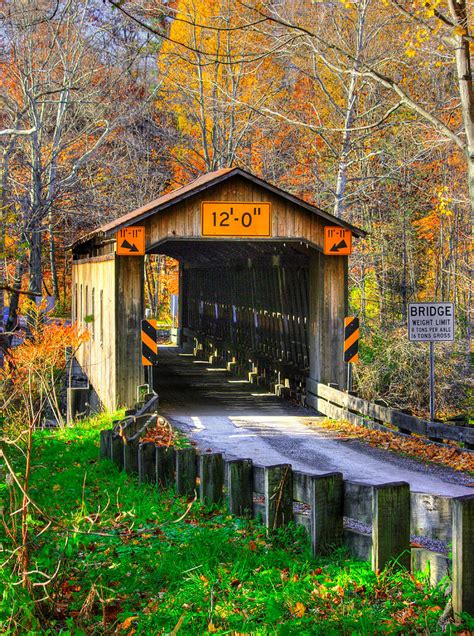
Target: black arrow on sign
x=127, y=246
x=339, y=246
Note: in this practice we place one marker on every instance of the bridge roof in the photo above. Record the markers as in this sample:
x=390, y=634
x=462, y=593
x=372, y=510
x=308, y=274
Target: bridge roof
x=201, y=184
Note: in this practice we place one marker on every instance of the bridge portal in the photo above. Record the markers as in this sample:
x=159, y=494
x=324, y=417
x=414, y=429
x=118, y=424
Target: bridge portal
x=257, y=293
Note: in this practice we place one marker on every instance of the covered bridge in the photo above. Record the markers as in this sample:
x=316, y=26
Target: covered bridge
x=256, y=289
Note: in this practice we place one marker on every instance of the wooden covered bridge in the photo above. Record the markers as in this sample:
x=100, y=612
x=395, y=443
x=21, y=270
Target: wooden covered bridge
x=256, y=289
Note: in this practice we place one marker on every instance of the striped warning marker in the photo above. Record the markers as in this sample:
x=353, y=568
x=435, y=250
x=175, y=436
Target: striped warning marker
x=149, y=343
x=351, y=339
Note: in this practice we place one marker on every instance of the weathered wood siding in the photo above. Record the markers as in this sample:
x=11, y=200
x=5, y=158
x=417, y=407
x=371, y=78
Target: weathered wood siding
x=129, y=313
x=327, y=308
x=183, y=220
x=109, y=290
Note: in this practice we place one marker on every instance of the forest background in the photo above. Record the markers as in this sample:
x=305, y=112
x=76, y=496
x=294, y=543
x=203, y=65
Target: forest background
x=364, y=108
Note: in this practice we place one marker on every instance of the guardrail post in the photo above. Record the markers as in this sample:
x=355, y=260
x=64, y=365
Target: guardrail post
x=146, y=463
x=185, y=474
x=106, y=443
x=463, y=562
x=130, y=456
x=391, y=525
x=327, y=509
x=278, y=495
x=240, y=487
x=211, y=475
x=164, y=465
x=116, y=450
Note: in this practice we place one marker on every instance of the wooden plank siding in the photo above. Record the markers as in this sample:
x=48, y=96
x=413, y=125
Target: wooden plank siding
x=183, y=220
x=111, y=357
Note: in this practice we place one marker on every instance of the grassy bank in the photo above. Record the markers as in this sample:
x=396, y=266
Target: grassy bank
x=137, y=560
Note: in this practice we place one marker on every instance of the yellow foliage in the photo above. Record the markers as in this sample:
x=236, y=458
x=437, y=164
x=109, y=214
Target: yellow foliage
x=209, y=86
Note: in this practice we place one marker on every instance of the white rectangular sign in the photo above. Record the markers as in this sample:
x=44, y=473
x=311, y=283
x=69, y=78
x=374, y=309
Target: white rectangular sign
x=430, y=322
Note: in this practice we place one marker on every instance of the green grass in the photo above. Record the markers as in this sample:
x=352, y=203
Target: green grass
x=127, y=565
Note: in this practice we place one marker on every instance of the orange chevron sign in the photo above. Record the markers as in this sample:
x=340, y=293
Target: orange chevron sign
x=351, y=339
x=149, y=343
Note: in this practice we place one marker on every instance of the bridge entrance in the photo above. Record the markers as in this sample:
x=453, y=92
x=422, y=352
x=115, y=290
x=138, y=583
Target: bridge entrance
x=256, y=294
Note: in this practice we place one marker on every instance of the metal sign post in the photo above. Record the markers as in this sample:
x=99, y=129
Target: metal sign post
x=432, y=383
x=349, y=377
x=431, y=322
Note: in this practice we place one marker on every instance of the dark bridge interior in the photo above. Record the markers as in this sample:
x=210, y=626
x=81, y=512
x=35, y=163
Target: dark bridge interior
x=245, y=304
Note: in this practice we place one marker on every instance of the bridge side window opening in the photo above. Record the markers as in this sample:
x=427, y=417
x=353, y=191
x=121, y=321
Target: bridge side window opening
x=93, y=312
x=86, y=302
x=74, y=304
x=101, y=317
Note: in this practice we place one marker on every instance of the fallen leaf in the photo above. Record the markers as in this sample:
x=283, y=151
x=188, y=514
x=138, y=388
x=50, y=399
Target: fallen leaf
x=127, y=622
x=299, y=609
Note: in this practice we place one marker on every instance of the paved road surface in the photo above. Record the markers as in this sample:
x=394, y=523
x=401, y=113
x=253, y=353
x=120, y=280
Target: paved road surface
x=232, y=416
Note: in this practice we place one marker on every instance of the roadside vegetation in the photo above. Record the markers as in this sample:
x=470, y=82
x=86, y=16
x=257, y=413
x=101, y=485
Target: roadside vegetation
x=110, y=556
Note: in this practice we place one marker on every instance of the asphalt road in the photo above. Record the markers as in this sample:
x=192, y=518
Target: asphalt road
x=228, y=415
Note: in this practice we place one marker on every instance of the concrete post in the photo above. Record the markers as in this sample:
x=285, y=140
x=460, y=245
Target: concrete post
x=327, y=509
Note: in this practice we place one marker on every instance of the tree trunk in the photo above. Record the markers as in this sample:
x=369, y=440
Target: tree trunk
x=52, y=260
x=34, y=265
x=340, y=203
x=5, y=204
x=14, y=296
x=458, y=10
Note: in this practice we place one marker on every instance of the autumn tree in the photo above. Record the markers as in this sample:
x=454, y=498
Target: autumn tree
x=64, y=79
x=216, y=79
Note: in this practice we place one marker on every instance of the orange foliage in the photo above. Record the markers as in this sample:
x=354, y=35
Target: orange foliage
x=416, y=447
x=161, y=434
x=44, y=351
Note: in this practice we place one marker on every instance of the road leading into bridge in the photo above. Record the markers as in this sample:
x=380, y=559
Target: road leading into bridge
x=226, y=414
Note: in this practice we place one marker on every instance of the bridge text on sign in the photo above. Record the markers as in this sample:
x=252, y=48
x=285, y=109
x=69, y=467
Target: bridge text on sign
x=430, y=322
x=226, y=218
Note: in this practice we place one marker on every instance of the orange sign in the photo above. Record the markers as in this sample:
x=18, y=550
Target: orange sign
x=337, y=241
x=131, y=241
x=228, y=218
x=351, y=339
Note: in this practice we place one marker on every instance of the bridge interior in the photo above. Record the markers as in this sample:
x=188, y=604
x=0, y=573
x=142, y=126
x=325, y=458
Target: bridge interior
x=191, y=387
x=245, y=305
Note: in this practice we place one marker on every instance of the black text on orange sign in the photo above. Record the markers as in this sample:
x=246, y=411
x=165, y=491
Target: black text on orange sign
x=131, y=241
x=149, y=343
x=337, y=241
x=351, y=339
x=229, y=218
